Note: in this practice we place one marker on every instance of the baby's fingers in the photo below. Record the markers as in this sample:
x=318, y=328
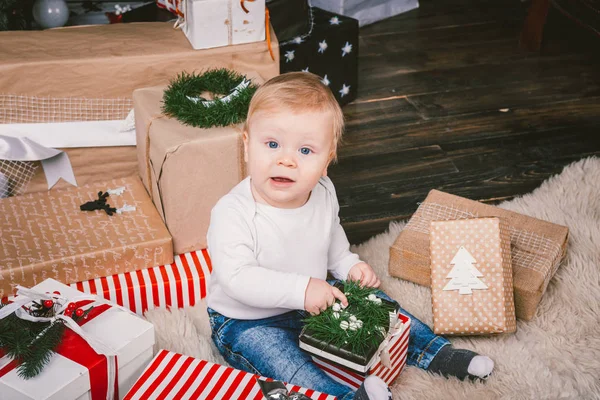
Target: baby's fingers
x=339, y=295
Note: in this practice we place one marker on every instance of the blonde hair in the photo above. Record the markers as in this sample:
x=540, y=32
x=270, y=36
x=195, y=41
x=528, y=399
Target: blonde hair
x=298, y=92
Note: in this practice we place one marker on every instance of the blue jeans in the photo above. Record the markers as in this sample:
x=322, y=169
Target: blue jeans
x=269, y=347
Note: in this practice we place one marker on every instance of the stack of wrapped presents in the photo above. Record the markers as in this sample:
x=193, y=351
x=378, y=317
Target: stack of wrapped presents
x=82, y=258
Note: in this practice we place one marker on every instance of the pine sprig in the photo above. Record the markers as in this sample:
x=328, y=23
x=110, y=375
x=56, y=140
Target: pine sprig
x=32, y=344
x=42, y=350
x=375, y=319
x=220, y=82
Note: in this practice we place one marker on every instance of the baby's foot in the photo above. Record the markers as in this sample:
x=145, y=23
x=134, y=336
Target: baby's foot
x=373, y=388
x=461, y=363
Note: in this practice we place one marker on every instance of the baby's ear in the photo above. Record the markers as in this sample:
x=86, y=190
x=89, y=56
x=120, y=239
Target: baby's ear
x=324, y=171
x=245, y=139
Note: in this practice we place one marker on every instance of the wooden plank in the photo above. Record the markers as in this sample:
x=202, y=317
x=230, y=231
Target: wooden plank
x=388, y=136
x=397, y=166
x=508, y=96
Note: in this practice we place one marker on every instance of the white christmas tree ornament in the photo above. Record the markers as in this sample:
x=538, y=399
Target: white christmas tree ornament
x=464, y=276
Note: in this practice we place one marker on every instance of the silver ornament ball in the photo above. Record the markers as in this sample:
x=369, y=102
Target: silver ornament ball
x=50, y=13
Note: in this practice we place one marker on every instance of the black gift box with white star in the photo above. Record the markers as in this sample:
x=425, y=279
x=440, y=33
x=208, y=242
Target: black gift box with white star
x=330, y=51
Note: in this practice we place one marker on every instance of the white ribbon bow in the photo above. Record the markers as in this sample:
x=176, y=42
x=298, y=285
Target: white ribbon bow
x=25, y=296
x=55, y=162
x=396, y=328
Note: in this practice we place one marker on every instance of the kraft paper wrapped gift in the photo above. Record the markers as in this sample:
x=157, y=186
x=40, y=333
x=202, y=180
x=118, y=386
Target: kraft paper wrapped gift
x=176, y=376
x=46, y=235
x=185, y=169
x=471, y=277
x=75, y=371
x=537, y=247
x=86, y=75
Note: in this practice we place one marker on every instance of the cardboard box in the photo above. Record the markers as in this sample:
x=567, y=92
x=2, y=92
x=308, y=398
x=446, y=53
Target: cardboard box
x=89, y=73
x=537, y=246
x=339, y=367
x=65, y=379
x=471, y=277
x=175, y=376
x=180, y=284
x=46, y=235
x=216, y=23
x=186, y=170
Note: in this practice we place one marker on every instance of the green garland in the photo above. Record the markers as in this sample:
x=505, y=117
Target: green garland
x=31, y=344
x=182, y=98
x=375, y=317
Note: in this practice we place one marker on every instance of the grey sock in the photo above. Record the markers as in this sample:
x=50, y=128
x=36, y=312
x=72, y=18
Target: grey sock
x=453, y=362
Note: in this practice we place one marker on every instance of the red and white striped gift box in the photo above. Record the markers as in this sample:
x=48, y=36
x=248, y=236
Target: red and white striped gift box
x=175, y=376
x=180, y=284
x=398, y=350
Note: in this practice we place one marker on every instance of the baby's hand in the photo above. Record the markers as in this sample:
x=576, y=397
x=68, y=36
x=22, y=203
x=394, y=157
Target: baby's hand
x=320, y=295
x=364, y=273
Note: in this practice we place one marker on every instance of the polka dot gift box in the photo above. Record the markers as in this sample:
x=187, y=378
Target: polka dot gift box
x=471, y=277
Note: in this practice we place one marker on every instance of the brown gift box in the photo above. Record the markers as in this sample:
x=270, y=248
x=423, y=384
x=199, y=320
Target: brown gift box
x=46, y=235
x=104, y=64
x=186, y=170
x=537, y=246
x=89, y=73
x=471, y=277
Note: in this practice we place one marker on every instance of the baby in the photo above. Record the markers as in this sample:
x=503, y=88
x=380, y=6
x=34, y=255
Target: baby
x=274, y=238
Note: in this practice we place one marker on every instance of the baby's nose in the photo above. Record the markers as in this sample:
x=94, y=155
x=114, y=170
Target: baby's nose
x=286, y=161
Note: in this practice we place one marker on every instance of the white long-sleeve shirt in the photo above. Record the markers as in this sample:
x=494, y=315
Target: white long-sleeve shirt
x=263, y=257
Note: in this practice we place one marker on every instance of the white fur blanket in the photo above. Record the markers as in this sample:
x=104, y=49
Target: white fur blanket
x=554, y=356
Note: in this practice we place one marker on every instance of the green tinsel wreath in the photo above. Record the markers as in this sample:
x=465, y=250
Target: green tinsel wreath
x=375, y=319
x=233, y=93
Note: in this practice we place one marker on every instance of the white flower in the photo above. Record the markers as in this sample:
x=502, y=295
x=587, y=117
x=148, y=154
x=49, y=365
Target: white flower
x=336, y=315
x=344, y=325
x=353, y=326
x=336, y=307
x=372, y=297
x=352, y=318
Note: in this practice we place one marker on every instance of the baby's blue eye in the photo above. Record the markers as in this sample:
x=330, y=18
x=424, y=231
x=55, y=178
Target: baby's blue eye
x=272, y=144
x=305, y=151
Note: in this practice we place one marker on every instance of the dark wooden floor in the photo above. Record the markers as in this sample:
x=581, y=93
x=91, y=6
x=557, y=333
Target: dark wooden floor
x=447, y=100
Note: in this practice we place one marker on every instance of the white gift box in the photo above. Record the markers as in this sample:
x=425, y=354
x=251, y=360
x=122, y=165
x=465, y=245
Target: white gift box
x=216, y=23
x=367, y=11
x=64, y=379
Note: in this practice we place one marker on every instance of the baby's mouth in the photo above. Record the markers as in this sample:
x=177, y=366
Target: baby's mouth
x=281, y=179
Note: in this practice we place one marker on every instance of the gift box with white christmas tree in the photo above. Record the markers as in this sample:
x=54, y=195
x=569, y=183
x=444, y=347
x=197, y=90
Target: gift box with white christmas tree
x=471, y=277
x=368, y=337
x=59, y=343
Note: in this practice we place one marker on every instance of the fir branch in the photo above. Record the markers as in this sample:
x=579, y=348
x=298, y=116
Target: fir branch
x=42, y=350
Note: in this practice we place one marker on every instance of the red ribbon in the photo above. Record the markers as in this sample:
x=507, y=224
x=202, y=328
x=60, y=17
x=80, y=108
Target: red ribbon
x=78, y=350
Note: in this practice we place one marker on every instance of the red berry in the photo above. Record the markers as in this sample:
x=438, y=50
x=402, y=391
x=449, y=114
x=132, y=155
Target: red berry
x=48, y=303
x=79, y=312
x=56, y=292
x=71, y=306
x=68, y=312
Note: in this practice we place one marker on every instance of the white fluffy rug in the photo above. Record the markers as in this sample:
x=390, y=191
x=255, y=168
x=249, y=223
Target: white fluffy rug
x=554, y=356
